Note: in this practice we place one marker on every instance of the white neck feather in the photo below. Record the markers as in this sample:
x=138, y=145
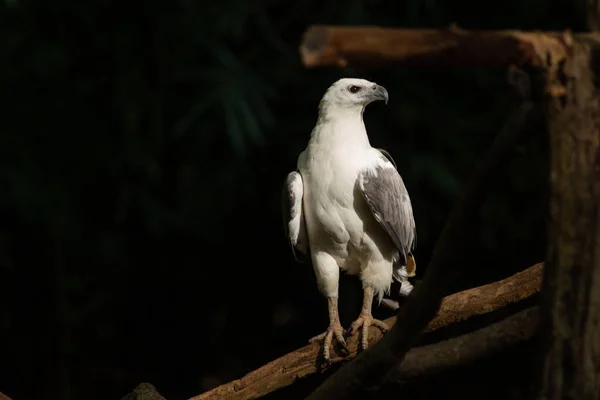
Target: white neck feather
x=339, y=127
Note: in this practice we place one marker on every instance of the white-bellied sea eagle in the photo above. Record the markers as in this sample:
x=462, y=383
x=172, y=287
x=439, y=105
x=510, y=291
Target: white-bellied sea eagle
x=346, y=207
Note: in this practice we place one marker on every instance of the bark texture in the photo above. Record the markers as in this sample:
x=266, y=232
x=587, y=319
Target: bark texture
x=570, y=307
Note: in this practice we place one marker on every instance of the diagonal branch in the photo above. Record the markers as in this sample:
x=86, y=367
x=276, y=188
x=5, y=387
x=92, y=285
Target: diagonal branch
x=455, y=308
x=440, y=356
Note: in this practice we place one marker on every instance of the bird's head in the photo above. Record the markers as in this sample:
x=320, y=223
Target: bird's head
x=352, y=94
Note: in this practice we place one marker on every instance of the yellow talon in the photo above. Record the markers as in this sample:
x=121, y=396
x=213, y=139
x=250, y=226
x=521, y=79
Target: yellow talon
x=411, y=266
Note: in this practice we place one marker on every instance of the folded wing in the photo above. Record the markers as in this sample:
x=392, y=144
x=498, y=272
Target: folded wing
x=385, y=193
x=293, y=216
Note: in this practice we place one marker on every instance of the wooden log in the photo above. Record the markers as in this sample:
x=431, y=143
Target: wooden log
x=570, y=305
x=337, y=46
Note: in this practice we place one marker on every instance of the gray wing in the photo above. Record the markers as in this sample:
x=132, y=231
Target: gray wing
x=385, y=193
x=388, y=156
x=293, y=216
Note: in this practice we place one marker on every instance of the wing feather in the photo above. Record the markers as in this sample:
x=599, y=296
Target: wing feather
x=384, y=191
x=293, y=216
x=388, y=156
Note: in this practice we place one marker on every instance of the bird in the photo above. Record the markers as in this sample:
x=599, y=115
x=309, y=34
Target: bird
x=346, y=208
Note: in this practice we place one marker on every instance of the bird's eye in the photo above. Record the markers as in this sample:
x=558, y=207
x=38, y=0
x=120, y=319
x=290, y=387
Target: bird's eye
x=354, y=89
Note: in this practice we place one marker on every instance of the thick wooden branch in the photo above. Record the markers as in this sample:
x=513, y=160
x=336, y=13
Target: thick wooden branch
x=464, y=349
x=455, y=308
x=386, y=47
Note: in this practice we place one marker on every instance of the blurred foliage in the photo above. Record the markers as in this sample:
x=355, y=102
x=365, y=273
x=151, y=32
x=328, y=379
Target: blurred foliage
x=142, y=152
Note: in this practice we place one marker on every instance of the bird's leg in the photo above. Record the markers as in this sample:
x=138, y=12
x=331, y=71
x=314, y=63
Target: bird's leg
x=334, y=329
x=365, y=319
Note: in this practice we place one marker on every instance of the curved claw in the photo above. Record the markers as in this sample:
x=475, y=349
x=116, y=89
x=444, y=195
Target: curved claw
x=334, y=330
x=364, y=321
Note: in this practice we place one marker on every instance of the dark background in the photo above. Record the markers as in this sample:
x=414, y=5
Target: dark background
x=142, y=151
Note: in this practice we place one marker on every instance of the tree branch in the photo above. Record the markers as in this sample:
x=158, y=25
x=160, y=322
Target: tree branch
x=368, y=369
x=455, y=308
x=4, y=397
x=440, y=356
x=386, y=47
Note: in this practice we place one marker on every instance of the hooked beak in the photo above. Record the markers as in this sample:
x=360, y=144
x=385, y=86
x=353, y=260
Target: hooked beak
x=379, y=93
